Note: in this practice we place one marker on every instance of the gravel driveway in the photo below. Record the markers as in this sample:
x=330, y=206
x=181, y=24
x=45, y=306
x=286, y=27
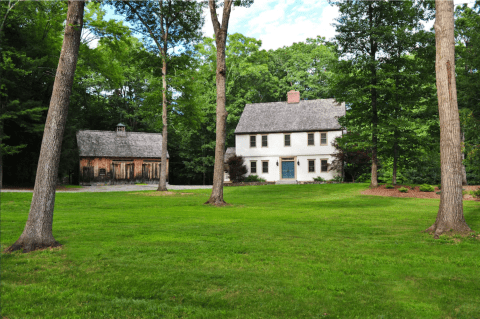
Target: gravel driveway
x=116, y=188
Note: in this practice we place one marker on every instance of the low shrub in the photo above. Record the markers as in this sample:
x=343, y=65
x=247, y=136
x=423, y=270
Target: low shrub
x=476, y=193
x=439, y=186
x=403, y=190
x=254, y=178
x=389, y=186
x=319, y=179
x=337, y=178
x=439, y=192
x=427, y=188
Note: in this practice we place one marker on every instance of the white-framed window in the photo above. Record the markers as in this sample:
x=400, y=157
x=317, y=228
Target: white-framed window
x=264, y=140
x=265, y=167
x=323, y=138
x=311, y=139
x=253, y=167
x=323, y=165
x=253, y=141
x=311, y=166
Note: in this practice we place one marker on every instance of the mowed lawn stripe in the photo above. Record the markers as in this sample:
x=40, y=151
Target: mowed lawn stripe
x=283, y=251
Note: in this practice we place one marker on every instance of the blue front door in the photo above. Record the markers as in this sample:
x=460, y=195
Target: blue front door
x=288, y=169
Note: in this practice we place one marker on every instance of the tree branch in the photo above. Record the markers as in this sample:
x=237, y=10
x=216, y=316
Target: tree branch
x=213, y=14
x=146, y=25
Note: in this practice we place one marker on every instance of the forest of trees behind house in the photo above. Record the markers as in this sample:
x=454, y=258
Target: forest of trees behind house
x=390, y=93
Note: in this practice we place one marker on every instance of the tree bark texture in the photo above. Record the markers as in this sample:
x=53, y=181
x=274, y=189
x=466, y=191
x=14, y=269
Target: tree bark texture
x=162, y=186
x=373, y=52
x=216, y=198
x=450, y=213
x=38, y=229
x=395, y=160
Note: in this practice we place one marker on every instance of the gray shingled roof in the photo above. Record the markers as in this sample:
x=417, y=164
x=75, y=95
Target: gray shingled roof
x=229, y=153
x=308, y=115
x=108, y=144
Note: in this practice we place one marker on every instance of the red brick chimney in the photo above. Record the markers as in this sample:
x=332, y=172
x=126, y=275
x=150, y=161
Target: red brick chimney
x=293, y=97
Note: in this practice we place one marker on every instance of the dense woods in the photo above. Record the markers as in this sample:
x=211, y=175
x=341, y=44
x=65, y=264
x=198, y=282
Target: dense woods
x=382, y=67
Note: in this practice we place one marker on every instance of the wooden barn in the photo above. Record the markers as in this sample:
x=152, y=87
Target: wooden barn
x=119, y=157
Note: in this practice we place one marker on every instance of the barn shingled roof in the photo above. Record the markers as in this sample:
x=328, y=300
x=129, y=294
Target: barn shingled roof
x=307, y=115
x=108, y=144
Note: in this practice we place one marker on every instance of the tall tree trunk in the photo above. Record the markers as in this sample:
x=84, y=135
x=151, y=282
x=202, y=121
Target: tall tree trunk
x=395, y=159
x=216, y=198
x=450, y=213
x=162, y=186
x=373, y=52
x=38, y=229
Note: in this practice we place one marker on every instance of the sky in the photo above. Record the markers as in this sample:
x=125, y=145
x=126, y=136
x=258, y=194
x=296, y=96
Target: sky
x=279, y=23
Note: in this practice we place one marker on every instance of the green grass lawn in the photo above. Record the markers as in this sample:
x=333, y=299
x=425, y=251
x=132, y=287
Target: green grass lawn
x=284, y=251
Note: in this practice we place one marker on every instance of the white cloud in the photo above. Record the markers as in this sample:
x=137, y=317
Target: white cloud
x=280, y=23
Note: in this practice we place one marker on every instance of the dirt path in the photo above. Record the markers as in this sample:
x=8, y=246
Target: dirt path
x=416, y=193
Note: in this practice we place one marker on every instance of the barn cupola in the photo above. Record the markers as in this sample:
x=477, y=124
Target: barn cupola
x=121, y=130
x=293, y=97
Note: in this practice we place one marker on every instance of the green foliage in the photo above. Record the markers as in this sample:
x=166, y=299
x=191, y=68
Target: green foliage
x=319, y=179
x=139, y=255
x=426, y=170
x=385, y=174
x=386, y=81
x=337, y=178
x=427, y=188
x=389, y=186
x=305, y=67
x=352, y=156
x=403, y=190
x=476, y=193
x=253, y=178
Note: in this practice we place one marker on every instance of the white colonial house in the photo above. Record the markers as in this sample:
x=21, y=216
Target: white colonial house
x=289, y=141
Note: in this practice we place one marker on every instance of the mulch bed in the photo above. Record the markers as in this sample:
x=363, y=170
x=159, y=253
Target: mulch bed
x=416, y=193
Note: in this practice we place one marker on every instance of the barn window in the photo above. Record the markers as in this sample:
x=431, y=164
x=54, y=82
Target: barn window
x=102, y=172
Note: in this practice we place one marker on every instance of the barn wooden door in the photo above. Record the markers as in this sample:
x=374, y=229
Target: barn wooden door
x=129, y=171
x=87, y=174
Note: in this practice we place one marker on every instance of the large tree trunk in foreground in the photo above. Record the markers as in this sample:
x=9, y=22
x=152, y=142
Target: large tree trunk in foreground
x=216, y=198
x=38, y=229
x=162, y=186
x=450, y=213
